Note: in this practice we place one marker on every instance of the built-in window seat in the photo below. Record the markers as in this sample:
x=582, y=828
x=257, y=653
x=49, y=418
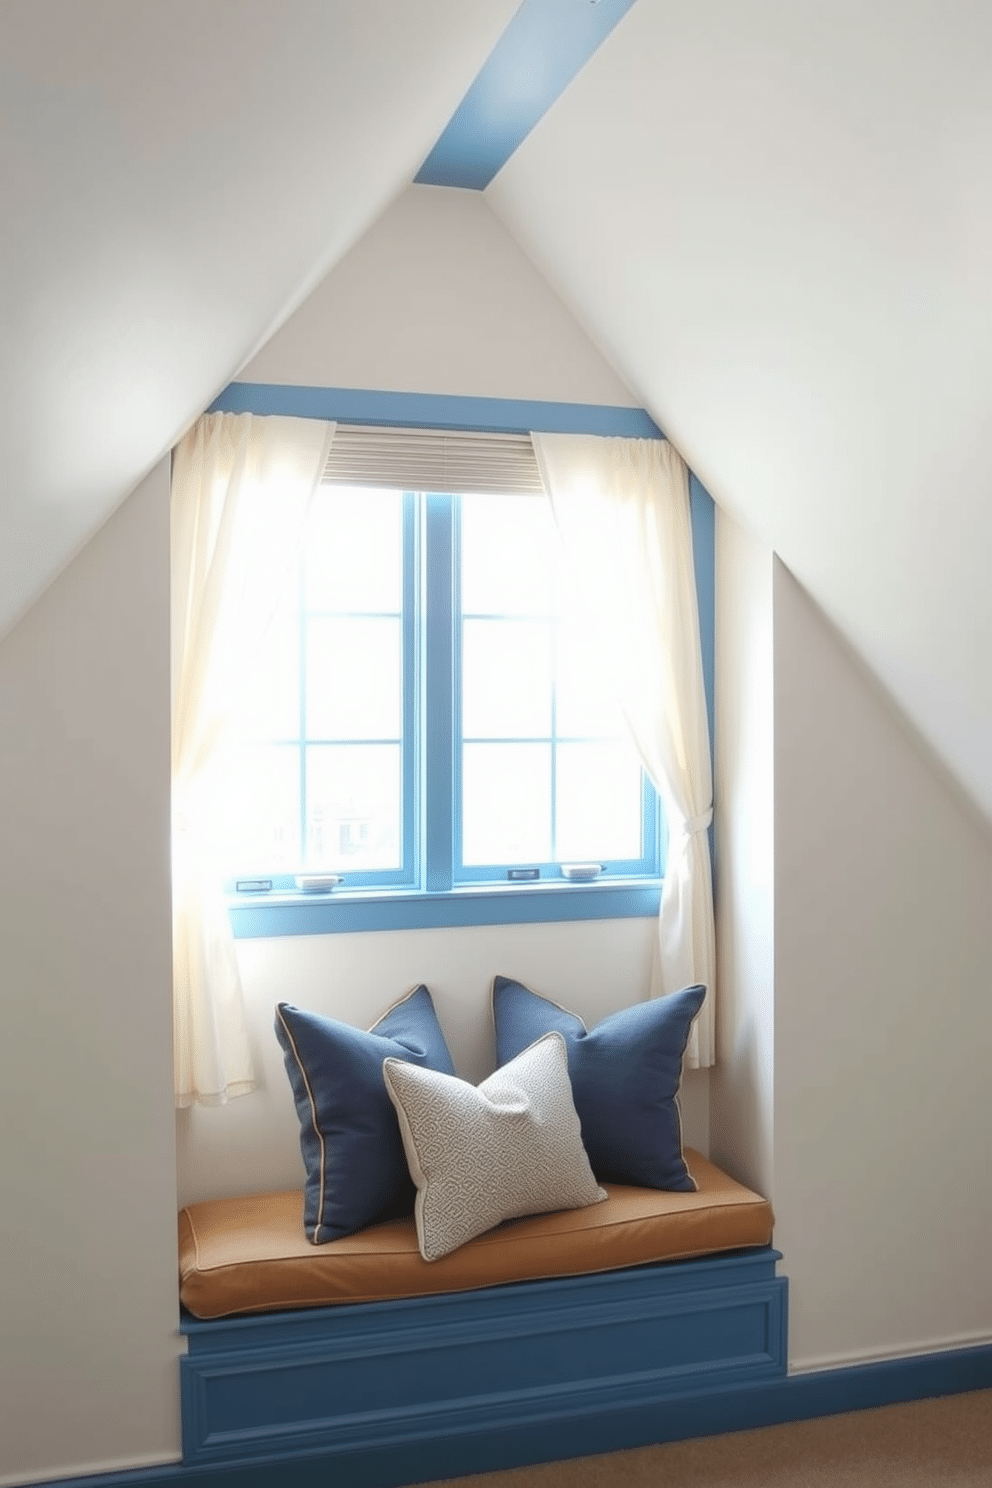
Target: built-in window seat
x=395, y=1369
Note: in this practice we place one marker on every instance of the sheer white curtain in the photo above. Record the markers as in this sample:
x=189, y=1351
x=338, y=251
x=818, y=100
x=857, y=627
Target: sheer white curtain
x=241, y=489
x=622, y=508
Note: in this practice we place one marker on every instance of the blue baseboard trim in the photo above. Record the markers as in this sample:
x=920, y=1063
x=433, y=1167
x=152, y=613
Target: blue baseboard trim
x=739, y=1408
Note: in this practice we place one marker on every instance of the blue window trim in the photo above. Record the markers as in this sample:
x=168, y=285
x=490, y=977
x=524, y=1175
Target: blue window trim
x=435, y=410
x=276, y=913
x=315, y=914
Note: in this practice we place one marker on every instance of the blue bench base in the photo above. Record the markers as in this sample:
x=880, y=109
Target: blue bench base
x=393, y=1392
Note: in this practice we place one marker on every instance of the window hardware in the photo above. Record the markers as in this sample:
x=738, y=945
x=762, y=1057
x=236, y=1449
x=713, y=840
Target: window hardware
x=318, y=883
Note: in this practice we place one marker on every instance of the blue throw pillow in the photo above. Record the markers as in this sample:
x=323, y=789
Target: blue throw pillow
x=352, y=1149
x=625, y=1077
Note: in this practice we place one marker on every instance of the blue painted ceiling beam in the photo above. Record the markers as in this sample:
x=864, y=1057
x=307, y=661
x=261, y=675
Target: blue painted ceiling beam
x=535, y=59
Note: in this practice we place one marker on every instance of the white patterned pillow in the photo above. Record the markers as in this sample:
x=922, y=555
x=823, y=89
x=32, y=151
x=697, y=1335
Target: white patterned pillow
x=481, y=1154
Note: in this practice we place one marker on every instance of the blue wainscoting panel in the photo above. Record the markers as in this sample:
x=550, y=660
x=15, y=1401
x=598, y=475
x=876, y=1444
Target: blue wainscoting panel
x=493, y=1363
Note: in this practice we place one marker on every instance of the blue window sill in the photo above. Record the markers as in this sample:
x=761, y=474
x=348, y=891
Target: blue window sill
x=341, y=912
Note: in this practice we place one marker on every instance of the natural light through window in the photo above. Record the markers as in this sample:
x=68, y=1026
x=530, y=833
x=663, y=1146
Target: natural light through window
x=548, y=774
x=429, y=709
x=318, y=776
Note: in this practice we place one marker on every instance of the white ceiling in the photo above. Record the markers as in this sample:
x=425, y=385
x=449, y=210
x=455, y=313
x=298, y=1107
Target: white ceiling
x=774, y=217
x=175, y=176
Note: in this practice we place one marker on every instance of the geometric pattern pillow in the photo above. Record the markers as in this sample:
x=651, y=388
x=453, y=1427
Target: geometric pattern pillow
x=356, y=1171
x=625, y=1076
x=482, y=1154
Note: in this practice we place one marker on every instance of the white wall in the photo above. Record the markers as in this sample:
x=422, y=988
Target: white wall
x=88, y=1307
x=742, y=1082
x=883, y=1017
x=254, y=1144
x=854, y=885
x=435, y=298
x=438, y=298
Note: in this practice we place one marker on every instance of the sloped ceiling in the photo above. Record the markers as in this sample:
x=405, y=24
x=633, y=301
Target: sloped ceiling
x=175, y=176
x=776, y=218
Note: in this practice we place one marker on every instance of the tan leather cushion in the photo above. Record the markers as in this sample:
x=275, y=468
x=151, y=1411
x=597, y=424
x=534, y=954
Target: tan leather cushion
x=251, y=1255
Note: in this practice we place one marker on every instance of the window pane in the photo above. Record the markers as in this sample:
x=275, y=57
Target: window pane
x=354, y=669
x=586, y=703
x=269, y=705
x=506, y=679
x=259, y=813
x=353, y=807
x=506, y=555
x=506, y=803
x=355, y=550
x=599, y=802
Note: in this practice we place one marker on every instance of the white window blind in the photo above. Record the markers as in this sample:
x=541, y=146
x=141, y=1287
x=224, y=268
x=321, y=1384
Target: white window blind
x=432, y=460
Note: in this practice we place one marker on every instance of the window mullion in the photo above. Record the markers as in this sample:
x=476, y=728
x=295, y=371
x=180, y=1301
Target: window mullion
x=412, y=709
x=553, y=638
x=439, y=581
x=304, y=635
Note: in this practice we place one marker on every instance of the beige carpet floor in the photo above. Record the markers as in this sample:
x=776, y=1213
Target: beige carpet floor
x=945, y=1443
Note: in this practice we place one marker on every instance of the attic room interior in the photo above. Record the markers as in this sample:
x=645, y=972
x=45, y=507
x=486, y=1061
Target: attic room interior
x=763, y=228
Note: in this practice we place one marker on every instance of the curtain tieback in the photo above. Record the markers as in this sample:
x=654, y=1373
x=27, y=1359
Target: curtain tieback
x=694, y=824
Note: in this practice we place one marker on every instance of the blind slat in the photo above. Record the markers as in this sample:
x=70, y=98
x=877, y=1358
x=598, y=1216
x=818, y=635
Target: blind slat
x=432, y=460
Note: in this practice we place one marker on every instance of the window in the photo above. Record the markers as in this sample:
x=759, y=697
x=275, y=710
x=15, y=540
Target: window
x=428, y=723
x=323, y=778
x=544, y=772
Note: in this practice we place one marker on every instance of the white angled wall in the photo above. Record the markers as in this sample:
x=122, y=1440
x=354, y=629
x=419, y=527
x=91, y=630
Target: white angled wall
x=854, y=947
x=883, y=1017
x=88, y=1306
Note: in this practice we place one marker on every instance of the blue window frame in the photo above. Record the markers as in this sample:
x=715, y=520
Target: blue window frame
x=325, y=778
x=398, y=745
x=431, y=883
x=460, y=640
